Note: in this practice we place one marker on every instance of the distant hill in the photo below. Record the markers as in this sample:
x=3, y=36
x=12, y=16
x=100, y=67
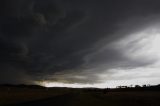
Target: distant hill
x=21, y=86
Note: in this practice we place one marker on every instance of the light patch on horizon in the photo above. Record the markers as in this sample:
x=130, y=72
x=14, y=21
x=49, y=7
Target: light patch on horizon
x=141, y=46
x=123, y=77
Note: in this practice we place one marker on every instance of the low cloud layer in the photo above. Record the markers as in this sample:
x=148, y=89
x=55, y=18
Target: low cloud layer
x=78, y=41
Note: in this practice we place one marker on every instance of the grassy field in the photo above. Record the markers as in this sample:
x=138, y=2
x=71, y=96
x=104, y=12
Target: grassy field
x=15, y=95
x=76, y=97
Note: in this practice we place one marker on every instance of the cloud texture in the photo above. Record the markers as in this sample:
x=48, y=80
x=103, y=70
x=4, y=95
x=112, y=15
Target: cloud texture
x=74, y=41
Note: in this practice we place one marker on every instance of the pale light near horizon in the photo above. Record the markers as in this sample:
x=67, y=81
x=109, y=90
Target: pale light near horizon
x=142, y=45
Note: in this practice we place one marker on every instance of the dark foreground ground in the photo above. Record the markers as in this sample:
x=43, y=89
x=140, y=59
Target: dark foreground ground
x=30, y=96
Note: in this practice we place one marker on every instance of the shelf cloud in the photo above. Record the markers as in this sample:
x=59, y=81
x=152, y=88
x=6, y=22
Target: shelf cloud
x=79, y=41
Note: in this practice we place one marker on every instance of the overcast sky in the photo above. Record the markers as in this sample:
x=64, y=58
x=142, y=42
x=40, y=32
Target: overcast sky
x=80, y=43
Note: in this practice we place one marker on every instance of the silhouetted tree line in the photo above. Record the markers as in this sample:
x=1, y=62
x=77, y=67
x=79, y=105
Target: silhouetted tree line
x=126, y=88
x=104, y=91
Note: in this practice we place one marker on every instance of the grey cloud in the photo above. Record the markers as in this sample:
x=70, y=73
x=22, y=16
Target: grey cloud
x=47, y=37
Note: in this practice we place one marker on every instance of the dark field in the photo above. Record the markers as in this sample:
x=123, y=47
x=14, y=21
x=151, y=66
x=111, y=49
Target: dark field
x=28, y=96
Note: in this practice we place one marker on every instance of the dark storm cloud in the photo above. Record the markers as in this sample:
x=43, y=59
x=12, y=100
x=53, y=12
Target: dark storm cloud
x=42, y=38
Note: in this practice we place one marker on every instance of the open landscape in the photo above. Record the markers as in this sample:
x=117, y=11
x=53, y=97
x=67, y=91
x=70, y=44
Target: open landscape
x=79, y=52
x=40, y=96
